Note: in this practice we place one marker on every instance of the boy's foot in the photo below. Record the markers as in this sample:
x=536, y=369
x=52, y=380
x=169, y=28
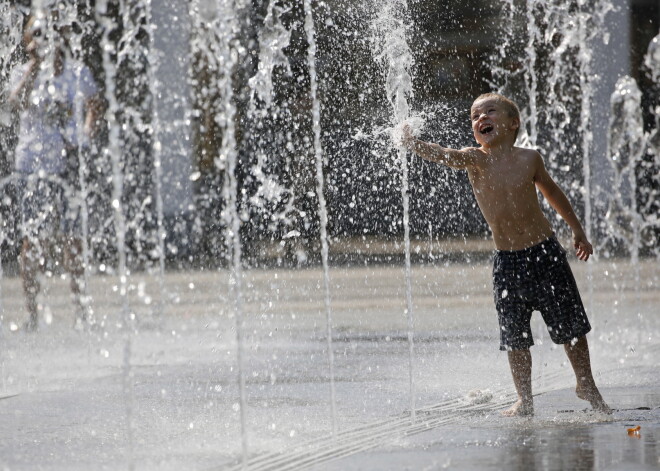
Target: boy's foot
x=594, y=398
x=519, y=409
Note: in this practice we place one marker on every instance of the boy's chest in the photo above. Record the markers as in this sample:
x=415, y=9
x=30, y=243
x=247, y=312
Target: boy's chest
x=502, y=180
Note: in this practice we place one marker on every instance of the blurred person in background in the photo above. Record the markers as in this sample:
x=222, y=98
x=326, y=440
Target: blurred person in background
x=45, y=91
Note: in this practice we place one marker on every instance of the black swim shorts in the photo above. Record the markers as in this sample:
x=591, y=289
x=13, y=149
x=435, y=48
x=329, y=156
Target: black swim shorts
x=538, y=278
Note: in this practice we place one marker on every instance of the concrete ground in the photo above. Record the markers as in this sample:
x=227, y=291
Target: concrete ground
x=163, y=393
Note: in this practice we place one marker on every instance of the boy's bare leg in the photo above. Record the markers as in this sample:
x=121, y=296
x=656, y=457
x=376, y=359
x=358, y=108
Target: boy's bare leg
x=578, y=355
x=520, y=362
x=29, y=271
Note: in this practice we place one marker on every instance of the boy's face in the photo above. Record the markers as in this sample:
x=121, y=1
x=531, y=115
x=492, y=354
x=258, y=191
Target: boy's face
x=491, y=121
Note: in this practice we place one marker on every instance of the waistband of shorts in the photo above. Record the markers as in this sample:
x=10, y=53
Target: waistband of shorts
x=540, y=247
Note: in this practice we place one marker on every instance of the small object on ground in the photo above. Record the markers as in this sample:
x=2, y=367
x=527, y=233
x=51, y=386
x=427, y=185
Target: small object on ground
x=634, y=431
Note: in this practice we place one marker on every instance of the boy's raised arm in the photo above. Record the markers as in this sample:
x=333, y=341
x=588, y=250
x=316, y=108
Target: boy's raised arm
x=454, y=158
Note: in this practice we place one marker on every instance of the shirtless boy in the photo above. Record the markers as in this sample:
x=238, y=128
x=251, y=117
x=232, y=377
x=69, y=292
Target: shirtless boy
x=530, y=269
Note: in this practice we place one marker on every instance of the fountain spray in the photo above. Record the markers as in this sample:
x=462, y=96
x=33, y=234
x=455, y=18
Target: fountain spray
x=227, y=159
x=10, y=26
x=591, y=20
x=391, y=29
x=67, y=16
x=156, y=150
x=323, y=211
x=626, y=148
x=115, y=151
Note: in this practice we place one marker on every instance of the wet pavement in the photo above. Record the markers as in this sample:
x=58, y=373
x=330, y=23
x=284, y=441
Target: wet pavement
x=67, y=397
x=560, y=436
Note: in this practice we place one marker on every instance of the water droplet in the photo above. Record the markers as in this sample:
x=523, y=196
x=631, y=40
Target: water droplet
x=48, y=315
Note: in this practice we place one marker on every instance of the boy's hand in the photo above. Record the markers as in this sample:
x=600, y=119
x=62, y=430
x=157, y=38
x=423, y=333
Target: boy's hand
x=583, y=248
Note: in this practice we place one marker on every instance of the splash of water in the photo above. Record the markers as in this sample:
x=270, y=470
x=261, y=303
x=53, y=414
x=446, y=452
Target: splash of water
x=320, y=186
x=271, y=192
x=591, y=21
x=626, y=143
x=625, y=149
x=501, y=76
x=10, y=32
x=652, y=63
x=652, y=59
x=530, y=113
x=652, y=204
x=226, y=25
x=391, y=28
x=66, y=19
x=273, y=38
x=216, y=24
x=156, y=152
x=115, y=152
x=2, y=310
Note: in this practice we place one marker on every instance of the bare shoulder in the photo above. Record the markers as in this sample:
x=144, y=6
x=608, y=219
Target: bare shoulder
x=474, y=155
x=535, y=161
x=530, y=158
x=530, y=155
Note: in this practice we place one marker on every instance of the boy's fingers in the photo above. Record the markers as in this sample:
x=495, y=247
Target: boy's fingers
x=583, y=252
x=584, y=246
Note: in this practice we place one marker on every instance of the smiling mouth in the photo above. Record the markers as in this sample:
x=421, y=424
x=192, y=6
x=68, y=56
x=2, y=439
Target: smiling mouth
x=486, y=129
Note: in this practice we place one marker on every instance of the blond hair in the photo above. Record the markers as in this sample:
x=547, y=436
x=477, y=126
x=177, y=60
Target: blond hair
x=510, y=105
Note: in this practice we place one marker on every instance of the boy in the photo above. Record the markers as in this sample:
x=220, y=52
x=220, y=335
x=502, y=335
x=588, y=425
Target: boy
x=530, y=269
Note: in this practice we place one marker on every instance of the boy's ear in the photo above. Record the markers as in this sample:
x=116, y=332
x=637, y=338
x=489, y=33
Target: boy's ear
x=515, y=124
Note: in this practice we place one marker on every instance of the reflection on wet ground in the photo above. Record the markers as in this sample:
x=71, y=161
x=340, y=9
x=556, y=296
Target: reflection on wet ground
x=554, y=439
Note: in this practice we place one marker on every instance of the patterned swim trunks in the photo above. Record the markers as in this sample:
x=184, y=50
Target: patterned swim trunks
x=537, y=278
